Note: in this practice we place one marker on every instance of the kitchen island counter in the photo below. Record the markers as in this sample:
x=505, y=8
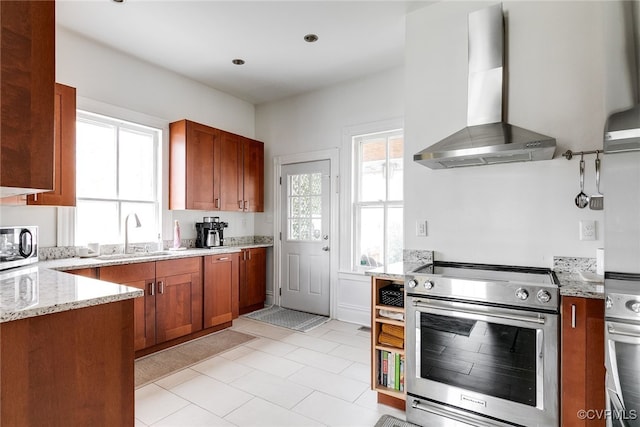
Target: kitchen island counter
x=35, y=291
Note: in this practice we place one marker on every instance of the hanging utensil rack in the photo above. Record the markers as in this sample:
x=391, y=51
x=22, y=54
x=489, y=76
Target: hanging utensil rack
x=569, y=154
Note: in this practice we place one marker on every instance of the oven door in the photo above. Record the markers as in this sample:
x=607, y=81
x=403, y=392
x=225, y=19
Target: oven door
x=498, y=362
x=623, y=373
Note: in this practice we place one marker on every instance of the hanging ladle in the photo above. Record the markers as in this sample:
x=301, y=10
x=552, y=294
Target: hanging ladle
x=582, y=200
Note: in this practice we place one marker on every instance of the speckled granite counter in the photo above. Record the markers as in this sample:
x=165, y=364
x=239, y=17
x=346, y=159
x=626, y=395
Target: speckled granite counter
x=572, y=285
x=412, y=259
x=76, y=263
x=36, y=291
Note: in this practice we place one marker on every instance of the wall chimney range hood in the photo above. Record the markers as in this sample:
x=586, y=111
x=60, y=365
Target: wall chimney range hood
x=487, y=139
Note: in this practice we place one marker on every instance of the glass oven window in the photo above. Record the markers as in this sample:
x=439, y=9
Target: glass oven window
x=489, y=358
x=628, y=362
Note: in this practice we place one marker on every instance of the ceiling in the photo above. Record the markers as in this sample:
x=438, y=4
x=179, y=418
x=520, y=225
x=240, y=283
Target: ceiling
x=199, y=39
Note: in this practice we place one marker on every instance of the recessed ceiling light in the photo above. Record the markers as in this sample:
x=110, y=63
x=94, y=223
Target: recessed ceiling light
x=238, y=61
x=310, y=38
x=119, y=1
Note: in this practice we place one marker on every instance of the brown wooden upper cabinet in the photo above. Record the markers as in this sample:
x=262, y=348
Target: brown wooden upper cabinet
x=27, y=78
x=64, y=150
x=211, y=169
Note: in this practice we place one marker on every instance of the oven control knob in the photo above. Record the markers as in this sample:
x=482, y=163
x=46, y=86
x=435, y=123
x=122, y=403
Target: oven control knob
x=544, y=296
x=428, y=284
x=522, y=294
x=635, y=307
x=608, y=302
x=413, y=283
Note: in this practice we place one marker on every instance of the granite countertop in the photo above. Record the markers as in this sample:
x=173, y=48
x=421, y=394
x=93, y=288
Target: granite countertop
x=64, y=264
x=575, y=285
x=395, y=271
x=35, y=291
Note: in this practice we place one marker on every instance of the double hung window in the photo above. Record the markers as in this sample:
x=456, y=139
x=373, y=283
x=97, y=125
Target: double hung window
x=117, y=175
x=377, y=198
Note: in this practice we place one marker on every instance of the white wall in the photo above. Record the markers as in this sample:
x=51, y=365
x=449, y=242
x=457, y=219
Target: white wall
x=564, y=66
x=111, y=82
x=317, y=121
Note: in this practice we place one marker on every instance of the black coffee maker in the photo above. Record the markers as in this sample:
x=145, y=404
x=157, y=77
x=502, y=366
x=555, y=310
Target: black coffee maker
x=209, y=232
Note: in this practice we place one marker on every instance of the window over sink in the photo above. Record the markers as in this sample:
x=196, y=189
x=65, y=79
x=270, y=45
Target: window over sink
x=117, y=173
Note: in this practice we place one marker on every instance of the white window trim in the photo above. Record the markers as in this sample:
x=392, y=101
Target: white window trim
x=66, y=217
x=347, y=185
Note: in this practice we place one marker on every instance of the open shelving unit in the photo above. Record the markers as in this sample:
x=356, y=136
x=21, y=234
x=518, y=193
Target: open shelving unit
x=386, y=395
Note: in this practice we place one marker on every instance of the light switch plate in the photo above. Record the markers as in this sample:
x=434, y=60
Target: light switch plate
x=421, y=228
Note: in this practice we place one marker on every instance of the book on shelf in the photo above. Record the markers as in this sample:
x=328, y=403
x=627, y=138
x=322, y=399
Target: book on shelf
x=391, y=370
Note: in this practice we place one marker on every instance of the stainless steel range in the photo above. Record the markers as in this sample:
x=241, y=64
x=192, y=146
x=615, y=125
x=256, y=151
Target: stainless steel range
x=482, y=345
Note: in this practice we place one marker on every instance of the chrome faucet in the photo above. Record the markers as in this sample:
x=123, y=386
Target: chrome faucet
x=126, y=230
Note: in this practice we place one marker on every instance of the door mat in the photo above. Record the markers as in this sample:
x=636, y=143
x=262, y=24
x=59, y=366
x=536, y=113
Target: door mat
x=158, y=365
x=291, y=319
x=389, y=421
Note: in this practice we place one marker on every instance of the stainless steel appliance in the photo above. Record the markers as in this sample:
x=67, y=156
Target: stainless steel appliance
x=18, y=246
x=487, y=139
x=209, y=232
x=482, y=345
x=621, y=186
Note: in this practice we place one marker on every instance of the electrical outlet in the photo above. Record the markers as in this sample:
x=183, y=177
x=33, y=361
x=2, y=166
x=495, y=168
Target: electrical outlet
x=421, y=228
x=587, y=230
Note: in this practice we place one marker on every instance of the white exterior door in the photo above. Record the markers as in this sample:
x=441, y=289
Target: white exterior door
x=306, y=240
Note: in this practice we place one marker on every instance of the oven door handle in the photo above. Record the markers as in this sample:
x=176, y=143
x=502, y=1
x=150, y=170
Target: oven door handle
x=451, y=414
x=539, y=319
x=623, y=332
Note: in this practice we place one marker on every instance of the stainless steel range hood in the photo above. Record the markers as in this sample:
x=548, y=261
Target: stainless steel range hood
x=622, y=131
x=486, y=139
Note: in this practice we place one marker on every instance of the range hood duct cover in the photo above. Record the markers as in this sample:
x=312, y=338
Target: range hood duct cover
x=486, y=139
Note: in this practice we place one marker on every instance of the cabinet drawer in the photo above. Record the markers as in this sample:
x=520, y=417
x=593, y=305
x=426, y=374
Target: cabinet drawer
x=128, y=272
x=178, y=266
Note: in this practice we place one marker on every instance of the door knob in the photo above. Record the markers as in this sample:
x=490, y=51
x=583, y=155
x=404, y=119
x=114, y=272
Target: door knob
x=325, y=248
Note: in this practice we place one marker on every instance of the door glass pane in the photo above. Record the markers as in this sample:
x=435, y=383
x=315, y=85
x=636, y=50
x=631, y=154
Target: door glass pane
x=489, y=358
x=136, y=156
x=373, y=157
x=97, y=222
x=395, y=168
x=371, y=236
x=95, y=160
x=304, y=207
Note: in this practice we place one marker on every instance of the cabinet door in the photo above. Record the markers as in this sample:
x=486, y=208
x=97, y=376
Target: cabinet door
x=178, y=298
x=253, y=175
x=64, y=141
x=141, y=276
x=255, y=276
x=220, y=287
x=27, y=78
x=231, y=177
x=583, y=371
x=194, y=166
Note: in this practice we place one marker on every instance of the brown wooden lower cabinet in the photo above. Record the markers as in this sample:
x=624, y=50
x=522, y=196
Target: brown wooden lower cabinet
x=172, y=305
x=73, y=368
x=582, y=367
x=91, y=273
x=253, y=279
x=221, y=275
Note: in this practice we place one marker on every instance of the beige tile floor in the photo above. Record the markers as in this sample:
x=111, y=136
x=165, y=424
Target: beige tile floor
x=282, y=378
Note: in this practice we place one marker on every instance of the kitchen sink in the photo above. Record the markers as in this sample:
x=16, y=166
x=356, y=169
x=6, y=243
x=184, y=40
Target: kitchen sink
x=133, y=255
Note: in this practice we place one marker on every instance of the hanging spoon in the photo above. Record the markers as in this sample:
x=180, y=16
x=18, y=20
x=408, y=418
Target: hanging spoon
x=582, y=200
